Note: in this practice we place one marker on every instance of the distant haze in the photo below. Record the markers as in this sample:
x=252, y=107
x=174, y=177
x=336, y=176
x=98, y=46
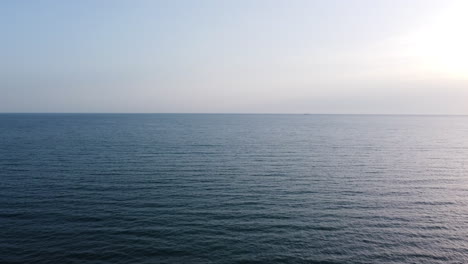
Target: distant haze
x=239, y=56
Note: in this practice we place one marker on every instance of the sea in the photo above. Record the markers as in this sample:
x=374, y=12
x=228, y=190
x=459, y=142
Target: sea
x=233, y=188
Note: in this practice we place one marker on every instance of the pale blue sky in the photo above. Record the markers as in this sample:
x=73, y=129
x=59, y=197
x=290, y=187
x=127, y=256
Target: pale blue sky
x=239, y=56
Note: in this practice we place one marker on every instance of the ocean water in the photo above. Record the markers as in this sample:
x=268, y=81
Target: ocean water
x=170, y=188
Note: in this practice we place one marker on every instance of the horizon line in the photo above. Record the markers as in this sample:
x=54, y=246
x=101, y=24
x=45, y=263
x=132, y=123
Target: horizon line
x=226, y=113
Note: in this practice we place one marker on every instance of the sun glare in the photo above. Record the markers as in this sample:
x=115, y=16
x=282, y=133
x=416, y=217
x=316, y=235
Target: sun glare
x=442, y=46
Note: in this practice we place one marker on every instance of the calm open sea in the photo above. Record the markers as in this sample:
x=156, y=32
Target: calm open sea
x=176, y=188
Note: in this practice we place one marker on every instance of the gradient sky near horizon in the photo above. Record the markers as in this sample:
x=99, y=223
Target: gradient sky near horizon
x=239, y=56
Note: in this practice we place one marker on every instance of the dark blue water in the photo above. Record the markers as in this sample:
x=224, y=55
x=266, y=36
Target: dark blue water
x=233, y=189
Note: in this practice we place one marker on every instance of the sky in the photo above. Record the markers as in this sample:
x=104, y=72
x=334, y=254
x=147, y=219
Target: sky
x=238, y=56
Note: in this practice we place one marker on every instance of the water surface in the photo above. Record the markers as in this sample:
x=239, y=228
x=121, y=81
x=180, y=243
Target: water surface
x=170, y=188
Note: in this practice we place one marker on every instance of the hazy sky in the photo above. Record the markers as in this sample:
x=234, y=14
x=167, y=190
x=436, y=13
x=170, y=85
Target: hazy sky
x=239, y=56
